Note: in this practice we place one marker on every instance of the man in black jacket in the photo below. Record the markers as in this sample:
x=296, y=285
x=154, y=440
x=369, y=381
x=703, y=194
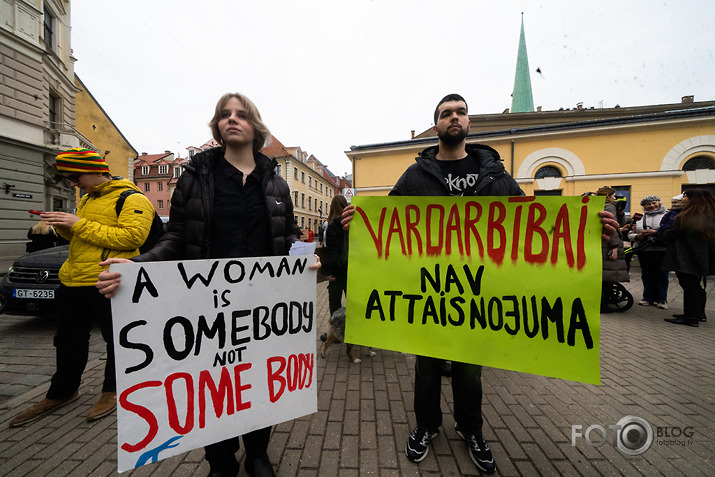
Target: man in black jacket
x=453, y=168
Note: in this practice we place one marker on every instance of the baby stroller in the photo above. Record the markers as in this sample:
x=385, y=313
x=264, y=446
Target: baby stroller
x=617, y=299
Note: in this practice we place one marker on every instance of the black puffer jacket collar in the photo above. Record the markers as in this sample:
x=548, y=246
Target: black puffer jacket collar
x=188, y=234
x=425, y=177
x=204, y=162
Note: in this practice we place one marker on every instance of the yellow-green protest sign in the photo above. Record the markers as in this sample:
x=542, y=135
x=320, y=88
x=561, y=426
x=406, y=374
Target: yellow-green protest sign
x=506, y=282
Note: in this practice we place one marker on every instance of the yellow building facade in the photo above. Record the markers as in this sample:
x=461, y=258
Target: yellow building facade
x=95, y=124
x=651, y=150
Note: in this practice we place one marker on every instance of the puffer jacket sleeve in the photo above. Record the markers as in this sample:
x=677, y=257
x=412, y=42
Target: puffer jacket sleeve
x=173, y=242
x=399, y=187
x=65, y=233
x=279, y=205
x=615, y=240
x=334, y=243
x=131, y=231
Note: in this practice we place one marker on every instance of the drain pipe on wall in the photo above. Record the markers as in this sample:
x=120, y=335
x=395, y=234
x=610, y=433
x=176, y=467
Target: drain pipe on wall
x=512, y=158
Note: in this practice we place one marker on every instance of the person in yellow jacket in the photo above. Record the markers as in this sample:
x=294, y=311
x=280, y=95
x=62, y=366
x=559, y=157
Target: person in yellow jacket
x=95, y=234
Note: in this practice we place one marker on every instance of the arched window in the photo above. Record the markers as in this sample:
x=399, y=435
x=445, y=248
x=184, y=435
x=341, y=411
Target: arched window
x=547, y=171
x=699, y=162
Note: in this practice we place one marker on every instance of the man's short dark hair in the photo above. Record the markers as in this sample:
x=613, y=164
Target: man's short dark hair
x=449, y=97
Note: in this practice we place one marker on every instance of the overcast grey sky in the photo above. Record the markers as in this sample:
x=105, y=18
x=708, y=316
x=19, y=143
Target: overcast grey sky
x=328, y=74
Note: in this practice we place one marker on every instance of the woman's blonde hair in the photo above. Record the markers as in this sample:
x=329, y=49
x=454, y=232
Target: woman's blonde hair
x=262, y=134
x=43, y=227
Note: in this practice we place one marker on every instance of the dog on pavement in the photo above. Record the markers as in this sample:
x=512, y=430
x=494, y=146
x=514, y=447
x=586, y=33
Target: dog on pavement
x=336, y=333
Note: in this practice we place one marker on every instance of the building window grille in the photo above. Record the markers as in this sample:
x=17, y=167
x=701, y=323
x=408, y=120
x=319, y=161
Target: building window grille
x=547, y=171
x=699, y=162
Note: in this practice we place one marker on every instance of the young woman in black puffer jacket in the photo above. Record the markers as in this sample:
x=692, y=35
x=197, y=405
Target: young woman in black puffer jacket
x=229, y=202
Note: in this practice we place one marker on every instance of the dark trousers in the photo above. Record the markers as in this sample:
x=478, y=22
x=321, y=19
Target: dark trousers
x=694, y=296
x=655, y=280
x=78, y=307
x=219, y=454
x=466, y=389
x=336, y=289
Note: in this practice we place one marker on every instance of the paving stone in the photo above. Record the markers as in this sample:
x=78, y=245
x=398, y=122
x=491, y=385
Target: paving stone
x=298, y=435
x=329, y=463
x=290, y=464
x=348, y=472
x=311, y=451
x=350, y=451
x=386, y=452
x=333, y=435
x=367, y=410
x=368, y=435
x=351, y=424
x=318, y=422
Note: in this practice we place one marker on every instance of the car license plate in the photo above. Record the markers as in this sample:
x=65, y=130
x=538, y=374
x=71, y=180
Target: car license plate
x=34, y=294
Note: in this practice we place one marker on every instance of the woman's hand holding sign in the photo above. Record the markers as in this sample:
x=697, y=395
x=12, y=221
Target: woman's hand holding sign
x=610, y=225
x=107, y=281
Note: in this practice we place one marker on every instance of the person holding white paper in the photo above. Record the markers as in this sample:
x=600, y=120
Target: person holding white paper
x=229, y=203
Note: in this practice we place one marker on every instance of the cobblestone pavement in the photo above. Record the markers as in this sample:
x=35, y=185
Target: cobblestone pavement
x=27, y=357
x=660, y=372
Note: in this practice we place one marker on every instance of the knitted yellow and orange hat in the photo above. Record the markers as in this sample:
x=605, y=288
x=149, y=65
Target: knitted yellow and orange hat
x=80, y=160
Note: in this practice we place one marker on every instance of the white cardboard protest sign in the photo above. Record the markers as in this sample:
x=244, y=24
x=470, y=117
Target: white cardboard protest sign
x=210, y=349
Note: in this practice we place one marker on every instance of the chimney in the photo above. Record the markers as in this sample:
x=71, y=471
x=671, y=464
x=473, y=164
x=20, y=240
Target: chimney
x=538, y=109
x=143, y=153
x=412, y=134
x=167, y=152
x=688, y=99
x=579, y=106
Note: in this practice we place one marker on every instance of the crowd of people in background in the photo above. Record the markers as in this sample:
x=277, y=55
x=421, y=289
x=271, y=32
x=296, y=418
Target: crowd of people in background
x=679, y=239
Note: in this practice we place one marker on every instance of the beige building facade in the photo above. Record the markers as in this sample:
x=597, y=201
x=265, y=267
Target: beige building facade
x=37, y=113
x=310, y=187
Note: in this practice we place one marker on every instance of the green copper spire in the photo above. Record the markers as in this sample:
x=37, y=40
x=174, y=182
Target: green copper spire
x=522, y=101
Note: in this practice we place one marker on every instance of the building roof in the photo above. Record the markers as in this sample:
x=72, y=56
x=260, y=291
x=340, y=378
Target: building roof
x=275, y=149
x=152, y=158
x=481, y=123
x=665, y=114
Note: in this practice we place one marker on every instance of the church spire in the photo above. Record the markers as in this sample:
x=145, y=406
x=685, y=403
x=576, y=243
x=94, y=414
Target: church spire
x=522, y=101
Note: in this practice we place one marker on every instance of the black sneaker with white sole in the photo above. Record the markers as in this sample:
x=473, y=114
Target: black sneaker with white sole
x=478, y=451
x=418, y=444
